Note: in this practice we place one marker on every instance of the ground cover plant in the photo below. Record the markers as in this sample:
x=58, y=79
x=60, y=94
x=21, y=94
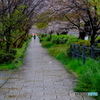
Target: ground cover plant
x=88, y=75
x=13, y=59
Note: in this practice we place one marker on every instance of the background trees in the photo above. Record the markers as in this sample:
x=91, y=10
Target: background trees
x=16, y=18
x=80, y=14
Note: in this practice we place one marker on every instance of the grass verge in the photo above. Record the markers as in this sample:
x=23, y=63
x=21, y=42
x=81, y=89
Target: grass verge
x=88, y=75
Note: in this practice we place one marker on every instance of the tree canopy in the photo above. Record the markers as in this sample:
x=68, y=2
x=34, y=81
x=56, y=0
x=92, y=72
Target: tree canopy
x=16, y=18
x=81, y=14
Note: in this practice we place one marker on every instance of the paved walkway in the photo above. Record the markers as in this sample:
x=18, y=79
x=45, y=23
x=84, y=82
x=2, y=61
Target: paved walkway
x=40, y=78
x=4, y=76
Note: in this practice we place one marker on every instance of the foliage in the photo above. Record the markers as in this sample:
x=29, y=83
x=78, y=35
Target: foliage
x=59, y=39
x=7, y=67
x=67, y=51
x=97, y=39
x=13, y=52
x=83, y=42
x=86, y=16
x=95, y=3
x=45, y=37
x=48, y=38
x=54, y=51
x=13, y=59
x=43, y=20
x=6, y=58
x=71, y=39
x=16, y=18
x=11, y=29
x=63, y=58
x=47, y=44
x=42, y=37
x=98, y=45
x=41, y=25
x=90, y=83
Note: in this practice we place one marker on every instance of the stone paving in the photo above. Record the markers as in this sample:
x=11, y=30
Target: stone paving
x=4, y=76
x=41, y=77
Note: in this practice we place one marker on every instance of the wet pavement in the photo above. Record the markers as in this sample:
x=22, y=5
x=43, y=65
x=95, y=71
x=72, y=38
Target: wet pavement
x=41, y=77
x=4, y=76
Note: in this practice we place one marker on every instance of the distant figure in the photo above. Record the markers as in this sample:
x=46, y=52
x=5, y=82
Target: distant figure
x=34, y=37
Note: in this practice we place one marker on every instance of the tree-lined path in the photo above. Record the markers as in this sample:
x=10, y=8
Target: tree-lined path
x=40, y=78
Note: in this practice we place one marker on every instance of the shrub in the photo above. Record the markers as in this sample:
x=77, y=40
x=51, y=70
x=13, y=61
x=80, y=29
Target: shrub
x=47, y=38
x=59, y=39
x=46, y=44
x=6, y=58
x=54, y=51
x=83, y=42
x=72, y=39
x=41, y=36
x=54, y=39
x=13, y=52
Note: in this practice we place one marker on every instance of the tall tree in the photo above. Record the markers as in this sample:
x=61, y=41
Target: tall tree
x=17, y=15
x=83, y=14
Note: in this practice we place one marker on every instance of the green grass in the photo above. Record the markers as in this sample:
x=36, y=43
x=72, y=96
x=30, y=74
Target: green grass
x=47, y=44
x=7, y=66
x=88, y=74
x=21, y=54
x=63, y=58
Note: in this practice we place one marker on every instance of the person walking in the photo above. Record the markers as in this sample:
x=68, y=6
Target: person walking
x=34, y=36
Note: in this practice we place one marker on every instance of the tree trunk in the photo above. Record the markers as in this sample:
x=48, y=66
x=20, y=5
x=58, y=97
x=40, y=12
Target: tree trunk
x=82, y=35
x=8, y=40
x=93, y=37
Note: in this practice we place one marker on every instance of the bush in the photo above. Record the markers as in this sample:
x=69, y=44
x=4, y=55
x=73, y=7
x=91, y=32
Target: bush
x=59, y=39
x=42, y=36
x=54, y=51
x=83, y=42
x=46, y=44
x=72, y=39
x=47, y=38
x=13, y=52
x=6, y=58
x=55, y=39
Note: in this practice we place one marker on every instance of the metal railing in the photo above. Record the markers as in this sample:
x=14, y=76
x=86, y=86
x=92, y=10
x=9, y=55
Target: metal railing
x=78, y=51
